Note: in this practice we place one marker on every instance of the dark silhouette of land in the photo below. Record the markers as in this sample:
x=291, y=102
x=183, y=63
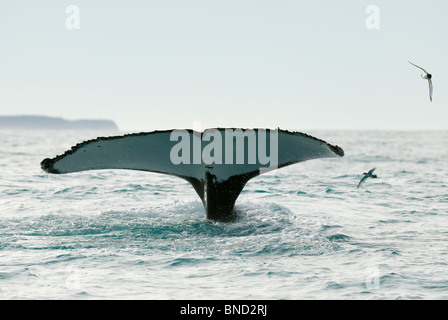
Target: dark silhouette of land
x=43, y=122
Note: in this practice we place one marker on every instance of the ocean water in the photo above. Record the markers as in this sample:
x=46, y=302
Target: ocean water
x=303, y=232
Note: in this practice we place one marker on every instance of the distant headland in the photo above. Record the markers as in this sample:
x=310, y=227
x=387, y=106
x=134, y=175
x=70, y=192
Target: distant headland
x=54, y=123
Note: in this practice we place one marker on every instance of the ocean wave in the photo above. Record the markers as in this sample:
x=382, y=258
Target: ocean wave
x=261, y=229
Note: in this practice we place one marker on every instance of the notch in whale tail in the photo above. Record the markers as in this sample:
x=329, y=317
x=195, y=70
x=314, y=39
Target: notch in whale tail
x=217, y=163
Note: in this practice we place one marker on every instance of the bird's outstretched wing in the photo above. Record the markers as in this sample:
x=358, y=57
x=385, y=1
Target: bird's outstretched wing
x=430, y=89
x=371, y=171
x=362, y=180
x=417, y=66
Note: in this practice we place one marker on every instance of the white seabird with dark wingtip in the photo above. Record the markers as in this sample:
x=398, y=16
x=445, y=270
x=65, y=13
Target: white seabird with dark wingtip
x=428, y=76
x=367, y=175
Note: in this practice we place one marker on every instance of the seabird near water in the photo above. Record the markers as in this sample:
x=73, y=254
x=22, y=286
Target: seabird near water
x=427, y=76
x=367, y=175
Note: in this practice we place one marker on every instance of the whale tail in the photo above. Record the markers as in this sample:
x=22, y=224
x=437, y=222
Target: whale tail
x=217, y=162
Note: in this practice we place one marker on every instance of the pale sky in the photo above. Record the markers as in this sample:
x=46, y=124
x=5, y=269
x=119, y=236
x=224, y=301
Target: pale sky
x=230, y=63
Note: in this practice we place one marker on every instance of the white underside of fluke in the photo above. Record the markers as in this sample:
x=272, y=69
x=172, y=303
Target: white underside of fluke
x=161, y=152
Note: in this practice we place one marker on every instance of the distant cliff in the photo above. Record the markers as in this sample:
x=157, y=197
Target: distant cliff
x=42, y=122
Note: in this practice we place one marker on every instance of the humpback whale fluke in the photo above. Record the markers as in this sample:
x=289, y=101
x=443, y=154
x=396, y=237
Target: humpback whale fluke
x=217, y=162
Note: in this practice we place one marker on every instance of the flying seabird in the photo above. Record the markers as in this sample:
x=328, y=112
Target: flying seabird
x=367, y=175
x=427, y=76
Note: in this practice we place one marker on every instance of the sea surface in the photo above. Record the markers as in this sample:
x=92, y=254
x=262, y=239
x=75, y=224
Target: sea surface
x=303, y=232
